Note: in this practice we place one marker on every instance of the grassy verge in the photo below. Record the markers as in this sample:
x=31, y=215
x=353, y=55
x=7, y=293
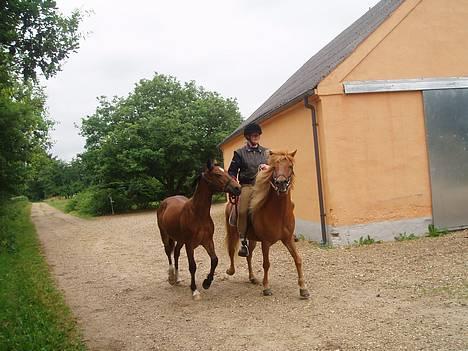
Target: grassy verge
x=61, y=205
x=33, y=315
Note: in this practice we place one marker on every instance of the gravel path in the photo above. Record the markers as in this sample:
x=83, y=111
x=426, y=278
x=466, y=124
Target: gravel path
x=395, y=296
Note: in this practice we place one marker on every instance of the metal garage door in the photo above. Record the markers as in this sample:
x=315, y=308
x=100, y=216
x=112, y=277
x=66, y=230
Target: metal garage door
x=446, y=113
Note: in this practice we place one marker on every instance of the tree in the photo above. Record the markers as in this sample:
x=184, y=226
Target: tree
x=34, y=38
x=164, y=131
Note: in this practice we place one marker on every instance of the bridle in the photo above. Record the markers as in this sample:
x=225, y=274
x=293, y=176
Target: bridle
x=275, y=182
x=226, y=186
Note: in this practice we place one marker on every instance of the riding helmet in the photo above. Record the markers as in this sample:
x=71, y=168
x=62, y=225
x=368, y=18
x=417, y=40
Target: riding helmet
x=252, y=128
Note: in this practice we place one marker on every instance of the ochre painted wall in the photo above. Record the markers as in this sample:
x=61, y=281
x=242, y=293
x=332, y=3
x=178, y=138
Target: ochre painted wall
x=290, y=130
x=376, y=164
x=375, y=144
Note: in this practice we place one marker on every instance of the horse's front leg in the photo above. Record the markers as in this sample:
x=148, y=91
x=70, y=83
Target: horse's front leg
x=209, y=247
x=266, y=266
x=289, y=243
x=192, y=268
x=252, y=245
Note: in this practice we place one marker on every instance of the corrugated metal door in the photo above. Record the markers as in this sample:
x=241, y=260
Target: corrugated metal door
x=446, y=113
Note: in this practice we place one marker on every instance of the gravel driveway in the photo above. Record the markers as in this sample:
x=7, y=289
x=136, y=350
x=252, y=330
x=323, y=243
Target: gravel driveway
x=394, y=296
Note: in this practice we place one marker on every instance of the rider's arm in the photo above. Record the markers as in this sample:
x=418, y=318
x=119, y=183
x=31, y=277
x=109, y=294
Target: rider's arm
x=235, y=165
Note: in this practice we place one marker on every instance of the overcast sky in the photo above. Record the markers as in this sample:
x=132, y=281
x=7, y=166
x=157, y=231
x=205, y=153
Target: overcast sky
x=239, y=48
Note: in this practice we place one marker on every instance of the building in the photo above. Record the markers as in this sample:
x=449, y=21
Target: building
x=390, y=96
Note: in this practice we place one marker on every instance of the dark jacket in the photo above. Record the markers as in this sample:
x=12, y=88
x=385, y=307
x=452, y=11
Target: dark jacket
x=245, y=162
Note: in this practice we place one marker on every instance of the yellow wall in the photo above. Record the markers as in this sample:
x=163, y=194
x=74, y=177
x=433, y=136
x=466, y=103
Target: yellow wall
x=290, y=130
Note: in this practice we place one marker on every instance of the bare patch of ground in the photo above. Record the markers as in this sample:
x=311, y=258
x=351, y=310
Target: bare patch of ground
x=394, y=296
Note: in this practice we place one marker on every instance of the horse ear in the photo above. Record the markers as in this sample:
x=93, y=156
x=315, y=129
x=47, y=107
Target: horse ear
x=292, y=154
x=209, y=165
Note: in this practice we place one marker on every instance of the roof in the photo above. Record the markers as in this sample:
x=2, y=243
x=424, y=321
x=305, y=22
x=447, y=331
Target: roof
x=306, y=78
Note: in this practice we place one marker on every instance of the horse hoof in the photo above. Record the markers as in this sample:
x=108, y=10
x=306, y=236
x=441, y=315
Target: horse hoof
x=171, y=276
x=206, y=284
x=254, y=281
x=230, y=271
x=267, y=292
x=196, y=296
x=304, y=293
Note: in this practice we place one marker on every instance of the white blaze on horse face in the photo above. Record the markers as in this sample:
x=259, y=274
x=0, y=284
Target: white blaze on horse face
x=222, y=170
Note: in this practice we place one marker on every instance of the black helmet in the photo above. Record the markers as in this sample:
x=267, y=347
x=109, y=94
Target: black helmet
x=252, y=128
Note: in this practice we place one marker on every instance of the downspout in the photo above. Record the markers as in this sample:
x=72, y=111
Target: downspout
x=317, y=168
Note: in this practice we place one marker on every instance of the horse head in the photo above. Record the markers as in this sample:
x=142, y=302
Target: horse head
x=282, y=165
x=219, y=180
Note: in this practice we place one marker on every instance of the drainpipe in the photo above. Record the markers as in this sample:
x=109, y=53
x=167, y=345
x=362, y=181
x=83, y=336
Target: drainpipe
x=317, y=168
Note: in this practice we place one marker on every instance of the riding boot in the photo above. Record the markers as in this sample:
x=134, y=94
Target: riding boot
x=244, y=249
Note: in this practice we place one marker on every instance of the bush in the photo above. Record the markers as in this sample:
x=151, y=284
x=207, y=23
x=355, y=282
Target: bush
x=9, y=220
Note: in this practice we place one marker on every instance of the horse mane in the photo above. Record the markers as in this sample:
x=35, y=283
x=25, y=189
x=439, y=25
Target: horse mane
x=262, y=181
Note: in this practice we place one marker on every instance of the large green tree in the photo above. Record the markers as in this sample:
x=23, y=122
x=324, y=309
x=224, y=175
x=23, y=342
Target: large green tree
x=35, y=38
x=164, y=131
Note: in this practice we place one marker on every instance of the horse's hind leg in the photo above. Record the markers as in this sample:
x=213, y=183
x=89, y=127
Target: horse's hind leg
x=289, y=243
x=192, y=268
x=252, y=279
x=169, y=248
x=176, y=261
x=209, y=247
x=232, y=243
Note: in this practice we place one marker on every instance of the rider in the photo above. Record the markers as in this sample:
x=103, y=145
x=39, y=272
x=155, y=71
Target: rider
x=245, y=164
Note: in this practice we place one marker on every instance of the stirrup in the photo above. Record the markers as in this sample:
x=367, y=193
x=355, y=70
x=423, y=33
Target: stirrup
x=244, y=250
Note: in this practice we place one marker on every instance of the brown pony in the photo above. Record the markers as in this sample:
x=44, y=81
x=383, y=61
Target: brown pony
x=184, y=221
x=272, y=218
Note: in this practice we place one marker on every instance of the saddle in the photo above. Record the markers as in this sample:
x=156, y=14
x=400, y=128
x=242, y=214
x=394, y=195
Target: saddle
x=234, y=214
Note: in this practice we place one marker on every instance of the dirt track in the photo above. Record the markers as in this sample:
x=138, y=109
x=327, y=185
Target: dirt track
x=393, y=296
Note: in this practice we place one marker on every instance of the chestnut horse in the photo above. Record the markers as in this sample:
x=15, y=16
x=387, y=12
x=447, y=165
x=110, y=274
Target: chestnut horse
x=271, y=220
x=184, y=221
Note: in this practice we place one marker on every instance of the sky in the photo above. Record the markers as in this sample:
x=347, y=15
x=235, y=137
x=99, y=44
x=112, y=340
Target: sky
x=239, y=48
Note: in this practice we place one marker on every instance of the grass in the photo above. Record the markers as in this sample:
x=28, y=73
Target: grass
x=61, y=205
x=405, y=237
x=366, y=241
x=33, y=315
x=435, y=232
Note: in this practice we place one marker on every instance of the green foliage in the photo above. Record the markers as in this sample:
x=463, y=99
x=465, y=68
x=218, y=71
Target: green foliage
x=433, y=231
x=23, y=133
x=154, y=141
x=35, y=36
x=49, y=177
x=404, y=237
x=366, y=241
x=33, y=314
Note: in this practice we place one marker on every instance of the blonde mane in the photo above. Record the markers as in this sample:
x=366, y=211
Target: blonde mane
x=262, y=181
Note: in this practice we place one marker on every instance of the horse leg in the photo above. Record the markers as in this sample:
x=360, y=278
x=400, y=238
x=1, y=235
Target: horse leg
x=232, y=243
x=289, y=243
x=192, y=268
x=252, y=279
x=210, y=249
x=176, y=261
x=169, y=248
x=266, y=267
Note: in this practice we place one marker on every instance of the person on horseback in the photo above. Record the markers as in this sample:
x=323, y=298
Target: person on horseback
x=245, y=164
